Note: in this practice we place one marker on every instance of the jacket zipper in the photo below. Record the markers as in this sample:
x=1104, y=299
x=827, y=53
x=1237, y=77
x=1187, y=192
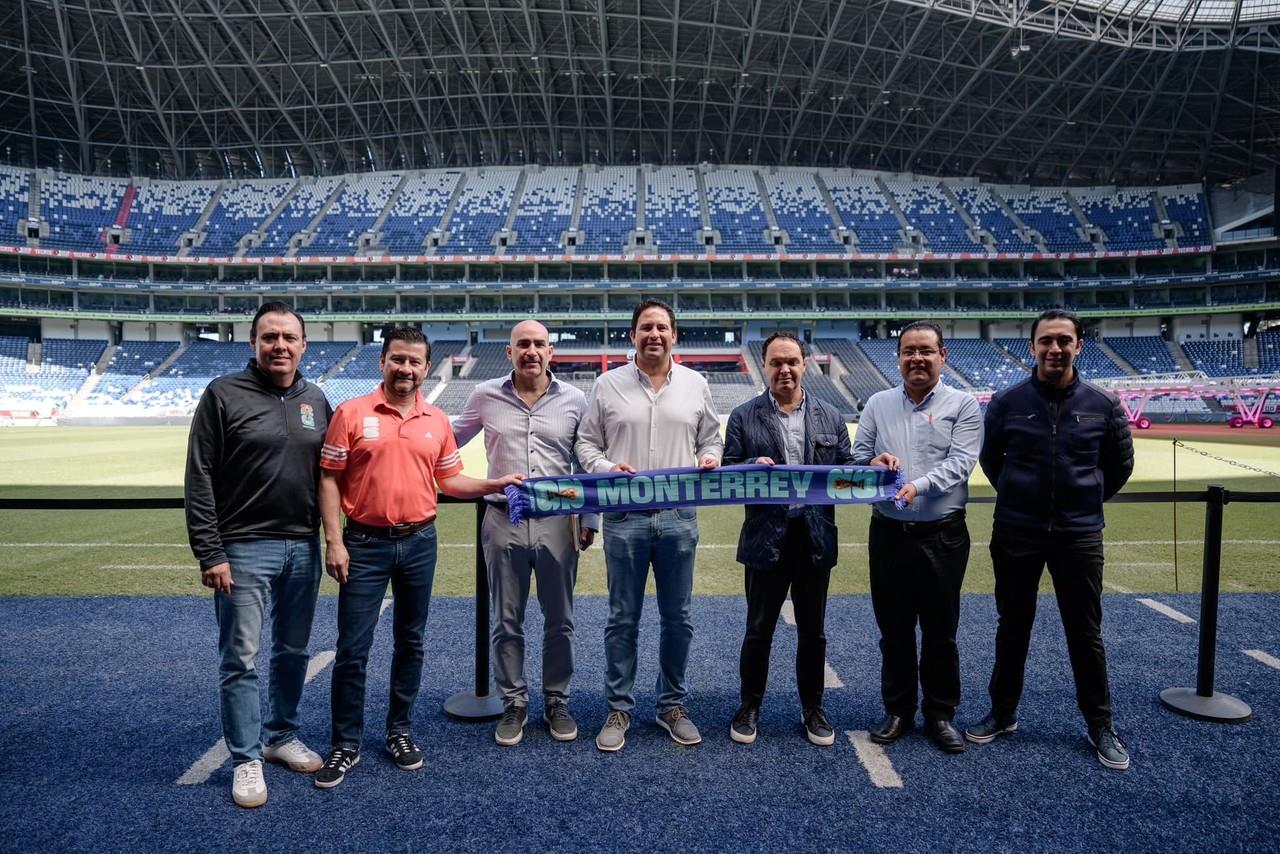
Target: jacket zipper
x=1053, y=460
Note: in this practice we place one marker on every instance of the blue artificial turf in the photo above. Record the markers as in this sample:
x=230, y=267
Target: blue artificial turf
x=106, y=702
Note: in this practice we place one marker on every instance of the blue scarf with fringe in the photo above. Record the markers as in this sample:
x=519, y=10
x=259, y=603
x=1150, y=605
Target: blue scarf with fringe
x=691, y=487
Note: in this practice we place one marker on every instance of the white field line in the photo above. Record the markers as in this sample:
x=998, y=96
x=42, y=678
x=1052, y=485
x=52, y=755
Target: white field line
x=1111, y=585
x=202, y=769
x=1259, y=655
x=830, y=679
x=1171, y=613
x=874, y=759
x=850, y=545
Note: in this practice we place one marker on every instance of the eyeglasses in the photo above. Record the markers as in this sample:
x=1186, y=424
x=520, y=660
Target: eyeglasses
x=912, y=352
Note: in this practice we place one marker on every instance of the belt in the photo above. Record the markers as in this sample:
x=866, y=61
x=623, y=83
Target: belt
x=917, y=527
x=392, y=532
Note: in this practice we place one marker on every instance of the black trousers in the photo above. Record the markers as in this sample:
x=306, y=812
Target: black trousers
x=1075, y=565
x=766, y=591
x=916, y=572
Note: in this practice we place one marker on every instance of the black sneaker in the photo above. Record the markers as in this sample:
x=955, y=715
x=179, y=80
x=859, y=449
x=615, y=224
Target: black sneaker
x=817, y=728
x=742, y=728
x=403, y=751
x=1111, y=750
x=990, y=728
x=511, y=728
x=335, y=768
x=560, y=722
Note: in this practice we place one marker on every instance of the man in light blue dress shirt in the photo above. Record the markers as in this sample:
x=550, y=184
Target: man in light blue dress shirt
x=918, y=554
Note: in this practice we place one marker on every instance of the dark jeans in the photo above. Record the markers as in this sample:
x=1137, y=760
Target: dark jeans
x=1075, y=565
x=409, y=564
x=766, y=591
x=916, y=573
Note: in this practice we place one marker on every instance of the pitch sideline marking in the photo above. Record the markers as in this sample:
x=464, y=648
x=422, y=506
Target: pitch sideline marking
x=1171, y=613
x=1259, y=655
x=874, y=759
x=830, y=679
x=1111, y=585
x=215, y=756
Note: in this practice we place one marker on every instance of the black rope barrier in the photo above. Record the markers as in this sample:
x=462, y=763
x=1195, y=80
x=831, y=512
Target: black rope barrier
x=1201, y=702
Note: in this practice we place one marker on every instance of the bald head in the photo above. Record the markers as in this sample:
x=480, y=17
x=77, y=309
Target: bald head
x=529, y=329
x=530, y=353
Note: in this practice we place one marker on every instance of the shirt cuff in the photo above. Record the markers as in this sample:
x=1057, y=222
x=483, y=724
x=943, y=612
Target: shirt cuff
x=589, y=520
x=603, y=467
x=922, y=485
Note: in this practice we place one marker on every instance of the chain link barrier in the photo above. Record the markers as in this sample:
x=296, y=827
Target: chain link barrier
x=1180, y=444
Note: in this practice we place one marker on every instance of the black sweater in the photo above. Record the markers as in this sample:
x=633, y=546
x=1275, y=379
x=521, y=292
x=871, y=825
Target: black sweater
x=253, y=462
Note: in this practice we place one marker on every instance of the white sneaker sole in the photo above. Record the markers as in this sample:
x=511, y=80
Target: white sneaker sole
x=1114, y=766
x=310, y=767
x=509, y=742
x=987, y=739
x=566, y=736
x=250, y=802
x=820, y=741
x=338, y=781
x=677, y=739
x=614, y=748
x=740, y=738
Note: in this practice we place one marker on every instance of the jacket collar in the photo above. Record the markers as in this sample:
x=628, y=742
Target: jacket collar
x=1046, y=390
x=264, y=379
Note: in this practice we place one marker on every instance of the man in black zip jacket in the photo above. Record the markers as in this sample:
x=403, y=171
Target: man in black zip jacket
x=1056, y=448
x=253, y=521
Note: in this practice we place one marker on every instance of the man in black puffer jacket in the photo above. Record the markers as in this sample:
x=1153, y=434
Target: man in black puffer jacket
x=1056, y=448
x=786, y=548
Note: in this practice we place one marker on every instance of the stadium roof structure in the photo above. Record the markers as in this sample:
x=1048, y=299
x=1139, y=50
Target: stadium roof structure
x=1018, y=91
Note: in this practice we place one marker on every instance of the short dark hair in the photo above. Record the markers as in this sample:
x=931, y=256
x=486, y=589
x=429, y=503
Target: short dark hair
x=919, y=325
x=407, y=334
x=652, y=303
x=275, y=307
x=1058, y=314
x=786, y=336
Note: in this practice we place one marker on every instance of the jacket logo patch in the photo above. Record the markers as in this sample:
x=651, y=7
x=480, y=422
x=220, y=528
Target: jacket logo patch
x=308, y=414
x=371, y=429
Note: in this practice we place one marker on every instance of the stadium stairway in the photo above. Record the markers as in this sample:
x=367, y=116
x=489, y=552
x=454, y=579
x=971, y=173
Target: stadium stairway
x=95, y=376
x=258, y=233
x=122, y=215
x=1115, y=357
x=132, y=393
x=1179, y=356
x=198, y=227
x=309, y=233
x=375, y=228
x=33, y=196
x=1249, y=352
x=446, y=218
x=903, y=222
x=961, y=379
x=832, y=210
x=340, y=364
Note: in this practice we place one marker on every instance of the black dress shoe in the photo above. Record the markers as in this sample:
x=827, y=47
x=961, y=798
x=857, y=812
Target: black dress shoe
x=890, y=729
x=945, y=735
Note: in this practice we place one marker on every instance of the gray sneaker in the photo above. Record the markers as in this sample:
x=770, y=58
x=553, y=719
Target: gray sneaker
x=679, y=726
x=560, y=722
x=614, y=732
x=510, y=729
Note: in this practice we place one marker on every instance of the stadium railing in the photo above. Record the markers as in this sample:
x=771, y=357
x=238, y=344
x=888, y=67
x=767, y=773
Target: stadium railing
x=1202, y=702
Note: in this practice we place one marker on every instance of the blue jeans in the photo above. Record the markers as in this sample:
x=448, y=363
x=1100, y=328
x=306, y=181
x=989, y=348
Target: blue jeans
x=290, y=571
x=667, y=540
x=409, y=564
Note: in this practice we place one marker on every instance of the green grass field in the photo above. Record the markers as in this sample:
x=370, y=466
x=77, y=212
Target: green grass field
x=92, y=553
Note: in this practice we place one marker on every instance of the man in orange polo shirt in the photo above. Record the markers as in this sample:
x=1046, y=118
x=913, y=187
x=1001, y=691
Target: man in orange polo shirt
x=382, y=458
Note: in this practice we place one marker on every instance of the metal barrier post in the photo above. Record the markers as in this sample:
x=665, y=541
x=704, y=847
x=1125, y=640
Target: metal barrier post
x=481, y=704
x=1203, y=702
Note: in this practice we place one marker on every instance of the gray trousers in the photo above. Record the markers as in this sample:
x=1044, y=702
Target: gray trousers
x=546, y=549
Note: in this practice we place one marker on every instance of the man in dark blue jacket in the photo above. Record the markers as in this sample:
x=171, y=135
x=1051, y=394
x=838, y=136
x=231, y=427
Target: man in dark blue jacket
x=1056, y=448
x=785, y=547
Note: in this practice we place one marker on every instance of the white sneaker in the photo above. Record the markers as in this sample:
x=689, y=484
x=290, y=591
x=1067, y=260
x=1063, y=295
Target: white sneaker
x=294, y=755
x=248, y=788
